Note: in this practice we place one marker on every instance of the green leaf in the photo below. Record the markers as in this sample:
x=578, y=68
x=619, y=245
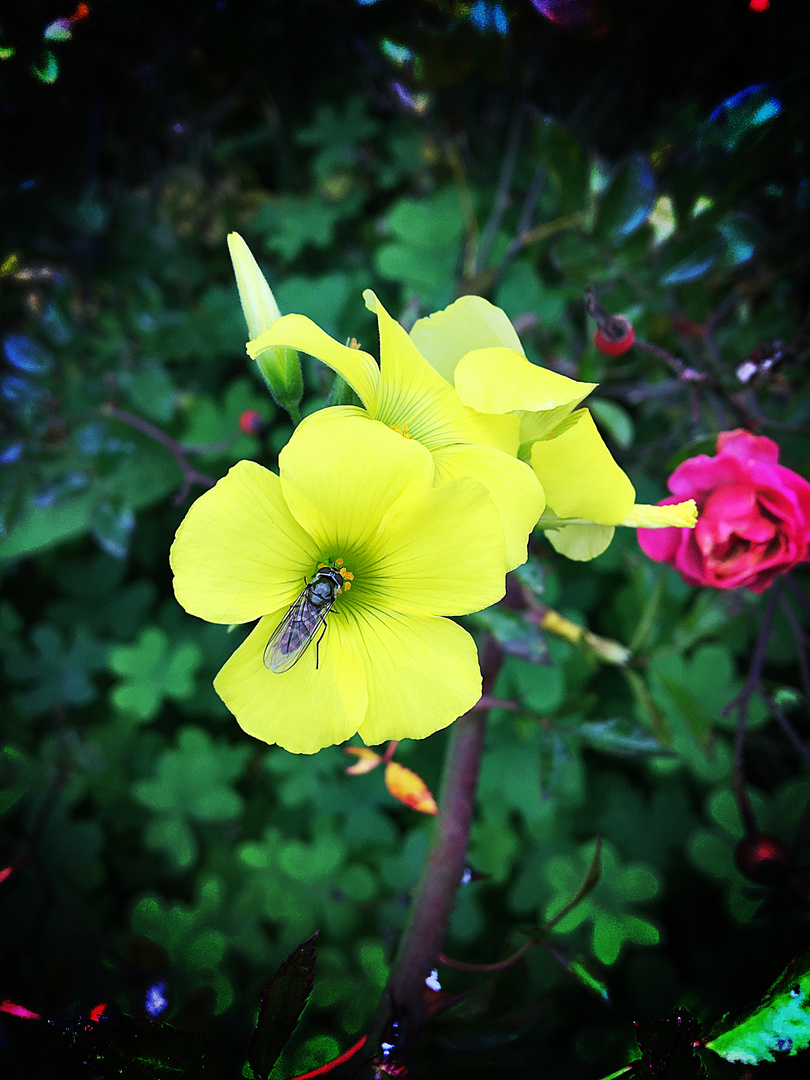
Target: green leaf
x=515, y=633
x=315, y=861
x=627, y=202
x=140, y=1049
x=690, y=707
x=111, y=524
x=563, y=156
x=776, y=1026
x=743, y=235
x=615, y=419
x=174, y=837
x=151, y=390
x=584, y=972
x=281, y=1006
x=141, y=476
x=554, y=762
x=607, y=904
x=213, y=424
x=151, y=671
x=648, y=707
x=619, y=736
x=426, y=241
x=59, y=668
x=289, y=223
x=521, y=290
x=690, y=257
x=580, y=259
x=322, y=298
x=194, y=780
x=16, y=775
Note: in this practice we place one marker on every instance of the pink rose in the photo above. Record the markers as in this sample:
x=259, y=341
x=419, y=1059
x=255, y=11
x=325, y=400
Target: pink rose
x=753, y=516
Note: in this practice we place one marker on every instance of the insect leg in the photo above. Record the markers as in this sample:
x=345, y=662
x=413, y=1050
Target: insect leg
x=318, y=643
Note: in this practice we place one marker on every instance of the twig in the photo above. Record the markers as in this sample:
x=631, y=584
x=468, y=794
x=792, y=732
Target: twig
x=800, y=637
x=801, y=596
x=501, y=200
x=176, y=449
x=497, y=965
x=587, y=884
x=524, y=221
x=740, y=702
x=435, y=893
x=542, y=232
x=786, y=726
x=679, y=367
x=470, y=258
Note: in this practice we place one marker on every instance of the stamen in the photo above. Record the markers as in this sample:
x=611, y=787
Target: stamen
x=403, y=431
x=347, y=575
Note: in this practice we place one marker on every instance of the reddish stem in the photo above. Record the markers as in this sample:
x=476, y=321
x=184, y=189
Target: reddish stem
x=433, y=900
x=176, y=449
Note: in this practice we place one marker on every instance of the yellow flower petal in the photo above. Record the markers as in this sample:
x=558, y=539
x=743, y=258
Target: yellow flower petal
x=581, y=542
x=469, y=323
x=441, y=554
x=579, y=475
x=340, y=474
x=683, y=515
x=305, y=708
x=239, y=553
x=358, y=368
x=409, y=788
x=498, y=380
x=366, y=760
x=422, y=675
x=416, y=401
x=512, y=485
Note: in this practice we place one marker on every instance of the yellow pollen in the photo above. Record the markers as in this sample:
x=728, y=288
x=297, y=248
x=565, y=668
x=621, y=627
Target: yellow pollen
x=353, y=343
x=403, y=431
x=347, y=575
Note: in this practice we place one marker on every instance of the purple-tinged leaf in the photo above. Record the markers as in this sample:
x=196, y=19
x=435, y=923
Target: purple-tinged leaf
x=281, y=1006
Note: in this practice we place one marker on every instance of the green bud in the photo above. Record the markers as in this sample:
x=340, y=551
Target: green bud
x=280, y=366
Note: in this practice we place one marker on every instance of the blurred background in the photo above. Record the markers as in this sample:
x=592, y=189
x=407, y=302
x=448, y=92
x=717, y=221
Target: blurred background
x=158, y=861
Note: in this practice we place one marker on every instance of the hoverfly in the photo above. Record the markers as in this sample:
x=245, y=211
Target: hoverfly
x=294, y=634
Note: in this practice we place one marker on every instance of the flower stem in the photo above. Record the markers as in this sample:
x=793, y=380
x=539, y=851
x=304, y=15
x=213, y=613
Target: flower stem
x=434, y=897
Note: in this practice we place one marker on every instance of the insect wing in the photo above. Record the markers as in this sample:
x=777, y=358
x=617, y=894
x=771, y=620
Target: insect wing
x=292, y=636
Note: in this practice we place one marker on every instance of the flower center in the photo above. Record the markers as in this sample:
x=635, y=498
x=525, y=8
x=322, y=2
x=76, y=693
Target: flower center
x=347, y=575
x=403, y=431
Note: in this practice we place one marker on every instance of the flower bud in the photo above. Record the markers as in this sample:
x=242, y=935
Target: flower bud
x=614, y=333
x=251, y=422
x=280, y=366
x=614, y=336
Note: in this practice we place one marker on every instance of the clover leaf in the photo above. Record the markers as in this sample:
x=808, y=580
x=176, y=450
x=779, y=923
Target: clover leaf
x=153, y=670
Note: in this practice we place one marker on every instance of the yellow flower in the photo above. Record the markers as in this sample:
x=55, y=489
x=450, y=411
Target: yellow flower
x=353, y=496
x=407, y=395
x=473, y=345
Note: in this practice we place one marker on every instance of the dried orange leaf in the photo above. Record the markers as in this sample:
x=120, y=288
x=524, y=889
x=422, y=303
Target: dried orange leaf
x=367, y=759
x=409, y=788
